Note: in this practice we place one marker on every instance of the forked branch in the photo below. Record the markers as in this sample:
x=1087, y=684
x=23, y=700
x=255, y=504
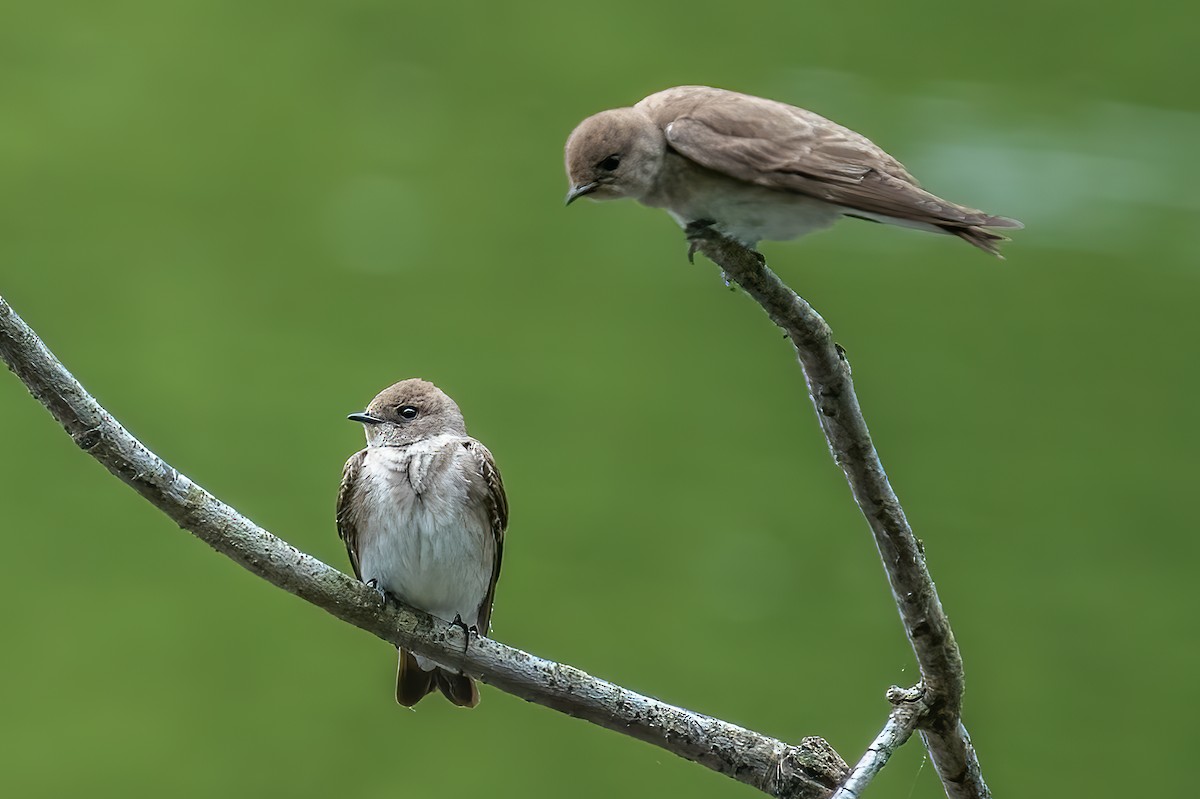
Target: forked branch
x=811, y=769
x=828, y=375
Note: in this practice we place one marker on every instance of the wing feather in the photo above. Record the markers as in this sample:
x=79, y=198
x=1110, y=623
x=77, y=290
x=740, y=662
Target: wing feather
x=782, y=147
x=496, y=505
x=347, y=523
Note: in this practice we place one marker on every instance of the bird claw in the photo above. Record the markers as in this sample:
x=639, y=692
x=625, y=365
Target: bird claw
x=386, y=597
x=696, y=232
x=702, y=230
x=467, y=631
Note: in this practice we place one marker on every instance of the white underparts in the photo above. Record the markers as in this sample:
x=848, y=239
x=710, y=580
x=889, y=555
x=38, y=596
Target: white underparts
x=421, y=537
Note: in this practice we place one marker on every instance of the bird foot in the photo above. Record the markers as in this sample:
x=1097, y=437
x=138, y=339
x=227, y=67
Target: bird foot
x=696, y=232
x=703, y=230
x=386, y=597
x=468, y=631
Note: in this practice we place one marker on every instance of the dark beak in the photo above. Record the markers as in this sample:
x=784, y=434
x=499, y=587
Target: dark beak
x=364, y=417
x=579, y=191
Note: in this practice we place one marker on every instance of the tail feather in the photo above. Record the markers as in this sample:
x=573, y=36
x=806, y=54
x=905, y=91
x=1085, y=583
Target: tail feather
x=413, y=683
x=969, y=225
x=979, y=236
x=458, y=688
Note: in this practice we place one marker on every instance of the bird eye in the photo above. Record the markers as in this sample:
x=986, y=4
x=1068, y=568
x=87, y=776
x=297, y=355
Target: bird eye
x=408, y=412
x=610, y=163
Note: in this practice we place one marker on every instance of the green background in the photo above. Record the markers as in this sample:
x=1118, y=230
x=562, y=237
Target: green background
x=235, y=222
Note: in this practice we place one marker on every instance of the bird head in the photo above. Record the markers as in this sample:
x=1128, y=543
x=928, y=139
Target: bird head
x=408, y=411
x=614, y=154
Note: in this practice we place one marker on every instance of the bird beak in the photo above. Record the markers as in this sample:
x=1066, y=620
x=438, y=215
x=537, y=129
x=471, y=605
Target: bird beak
x=579, y=191
x=364, y=417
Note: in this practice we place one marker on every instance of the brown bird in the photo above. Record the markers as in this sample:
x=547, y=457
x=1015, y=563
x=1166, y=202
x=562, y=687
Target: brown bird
x=755, y=169
x=422, y=511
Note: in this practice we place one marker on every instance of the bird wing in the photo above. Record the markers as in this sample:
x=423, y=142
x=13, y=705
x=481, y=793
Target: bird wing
x=346, y=523
x=782, y=147
x=495, y=503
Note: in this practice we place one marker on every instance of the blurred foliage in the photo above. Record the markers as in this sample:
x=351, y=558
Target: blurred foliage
x=235, y=222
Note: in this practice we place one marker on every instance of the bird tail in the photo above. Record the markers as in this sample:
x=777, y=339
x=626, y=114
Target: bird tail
x=979, y=235
x=458, y=688
x=413, y=683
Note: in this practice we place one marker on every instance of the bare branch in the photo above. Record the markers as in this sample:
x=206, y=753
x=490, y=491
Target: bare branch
x=808, y=771
x=828, y=375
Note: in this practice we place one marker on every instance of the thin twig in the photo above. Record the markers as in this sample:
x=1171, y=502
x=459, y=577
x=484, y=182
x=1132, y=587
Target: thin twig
x=828, y=375
x=808, y=771
x=899, y=727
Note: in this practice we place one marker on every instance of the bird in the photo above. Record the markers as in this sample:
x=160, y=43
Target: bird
x=754, y=169
x=423, y=513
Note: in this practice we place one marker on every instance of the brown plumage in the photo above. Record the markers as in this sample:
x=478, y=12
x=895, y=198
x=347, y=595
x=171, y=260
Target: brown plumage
x=756, y=169
x=422, y=511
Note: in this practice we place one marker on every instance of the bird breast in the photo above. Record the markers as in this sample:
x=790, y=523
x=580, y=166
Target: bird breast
x=423, y=536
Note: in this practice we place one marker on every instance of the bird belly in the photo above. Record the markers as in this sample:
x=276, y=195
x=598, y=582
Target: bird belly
x=752, y=215
x=740, y=210
x=431, y=562
x=430, y=550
